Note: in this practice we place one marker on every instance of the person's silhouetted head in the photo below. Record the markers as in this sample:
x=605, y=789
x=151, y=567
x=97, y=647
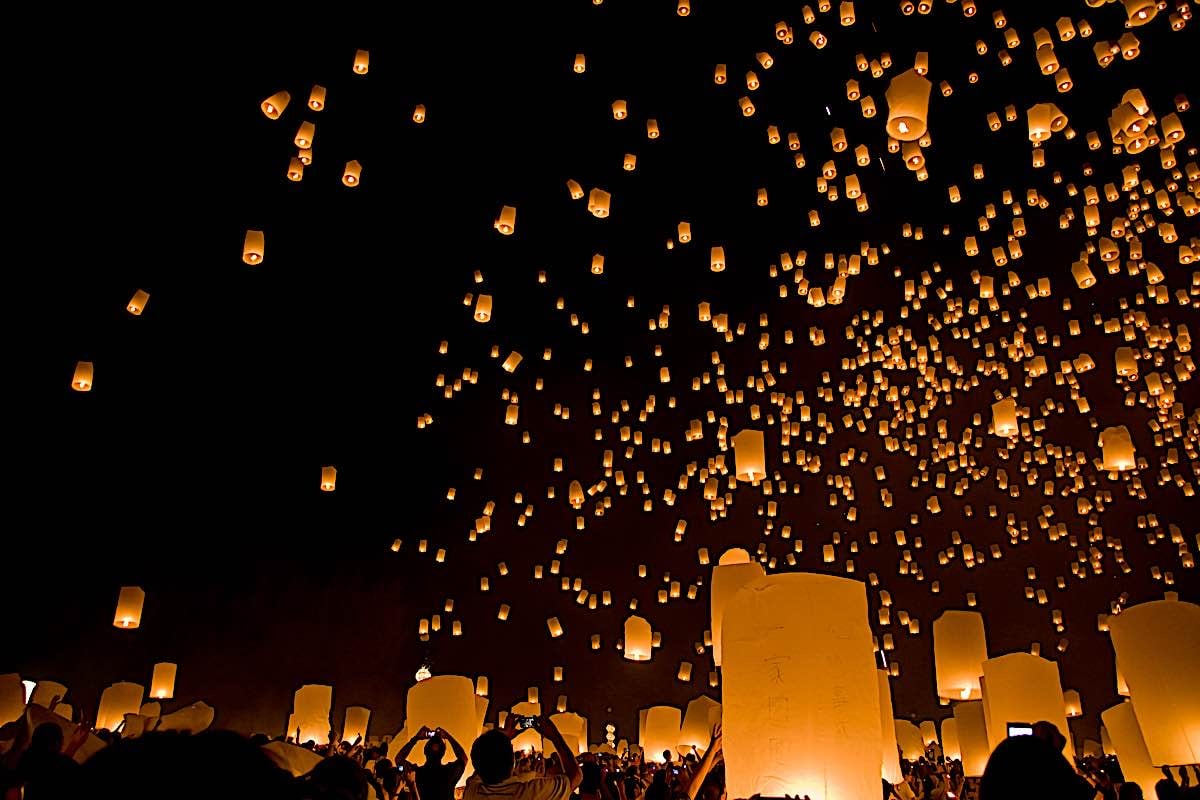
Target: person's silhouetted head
x=492, y=755
x=1031, y=768
x=1049, y=732
x=1130, y=791
x=435, y=749
x=336, y=778
x=47, y=738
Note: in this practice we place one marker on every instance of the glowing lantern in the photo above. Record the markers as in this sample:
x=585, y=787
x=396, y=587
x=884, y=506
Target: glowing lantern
x=949, y=739
x=638, y=639
x=684, y=232
x=1123, y=738
x=162, y=681
x=733, y=571
x=316, y=98
x=418, y=115
x=749, y=449
x=1072, y=704
x=483, y=308
x=891, y=760
x=81, y=380
x=43, y=694
x=716, y=261
x=129, y=607
x=328, y=479
x=1004, y=417
x=362, y=61
x=698, y=721
x=506, y=223
x=959, y=650
x=447, y=702
x=116, y=701
x=973, y=740
x=804, y=683
x=908, y=739
x=274, y=105
x=1154, y=643
x=355, y=725
x=352, y=174
x=662, y=732
x=305, y=135
x=137, y=304
x=599, y=202
x=253, y=247
x=1117, y=449
x=620, y=109
x=1020, y=687
x=908, y=106
x=556, y=628
x=580, y=65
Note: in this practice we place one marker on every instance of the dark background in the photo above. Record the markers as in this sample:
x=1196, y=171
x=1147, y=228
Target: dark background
x=192, y=468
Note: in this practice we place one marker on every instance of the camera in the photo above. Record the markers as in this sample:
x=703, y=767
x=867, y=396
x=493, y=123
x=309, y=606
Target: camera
x=523, y=723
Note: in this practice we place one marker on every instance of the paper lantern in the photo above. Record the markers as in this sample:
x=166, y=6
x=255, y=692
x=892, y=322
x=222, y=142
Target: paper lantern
x=1116, y=447
x=352, y=174
x=447, y=702
x=12, y=698
x=1004, y=417
x=82, y=379
x=418, y=115
x=749, y=450
x=949, y=739
x=662, y=732
x=799, y=674
x=116, y=701
x=971, y=724
x=928, y=730
x=305, y=135
x=574, y=730
x=310, y=713
x=316, y=97
x=137, y=304
x=580, y=65
x=1072, y=704
x=355, y=724
x=733, y=571
x=253, y=248
x=295, y=171
x=908, y=738
x=908, y=106
x=599, y=202
x=959, y=650
x=1157, y=645
x=274, y=105
x=530, y=740
x=362, y=62
x=1140, y=12
x=328, y=479
x=1020, y=687
x=716, y=260
x=44, y=693
x=891, y=759
x=698, y=721
x=1128, y=744
x=129, y=608
x=556, y=628
x=638, y=639
x=506, y=223
x=483, y=308
x=162, y=681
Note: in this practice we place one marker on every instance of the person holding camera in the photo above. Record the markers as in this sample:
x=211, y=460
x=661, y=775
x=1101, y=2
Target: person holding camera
x=435, y=780
x=492, y=755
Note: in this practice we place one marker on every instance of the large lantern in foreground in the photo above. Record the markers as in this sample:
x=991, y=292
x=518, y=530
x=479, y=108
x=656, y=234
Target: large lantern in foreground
x=638, y=639
x=662, y=732
x=734, y=571
x=1020, y=687
x=959, y=650
x=801, y=699
x=908, y=106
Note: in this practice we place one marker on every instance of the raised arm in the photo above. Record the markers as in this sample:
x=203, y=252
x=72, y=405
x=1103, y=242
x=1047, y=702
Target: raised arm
x=706, y=764
x=570, y=767
x=402, y=753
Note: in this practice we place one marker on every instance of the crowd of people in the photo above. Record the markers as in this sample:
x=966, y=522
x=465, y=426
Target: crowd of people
x=43, y=764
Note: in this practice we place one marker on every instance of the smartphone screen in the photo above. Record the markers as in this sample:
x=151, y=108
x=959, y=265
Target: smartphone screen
x=1020, y=729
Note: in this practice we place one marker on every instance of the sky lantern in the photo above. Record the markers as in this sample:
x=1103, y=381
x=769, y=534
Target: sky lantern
x=362, y=62
x=908, y=106
x=116, y=701
x=83, y=377
x=1020, y=687
x=354, y=725
x=129, y=607
x=1116, y=446
x=959, y=650
x=1004, y=417
x=973, y=737
x=599, y=202
x=662, y=732
x=749, y=449
x=803, y=682
x=1157, y=644
x=1129, y=745
x=352, y=174
x=274, y=105
x=253, y=248
x=506, y=222
x=162, y=681
x=483, y=308
x=949, y=739
x=734, y=570
x=699, y=718
x=891, y=759
x=444, y=701
x=316, y=98
x=638, y=639
x=328, y=479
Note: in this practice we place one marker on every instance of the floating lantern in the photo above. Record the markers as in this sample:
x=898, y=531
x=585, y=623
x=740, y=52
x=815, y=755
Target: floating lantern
x=959, y=650
x=734, y=570
x=81, y=380
x=362, y=61
x=506, y=223
x=316, y=98
x=328, y=479
x=274, y=105
x=116, y=701
x=253, y=247
x=908, y=106
x=162, y=681
x=129, y=608
x=352, y=174
x=1020, y=687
